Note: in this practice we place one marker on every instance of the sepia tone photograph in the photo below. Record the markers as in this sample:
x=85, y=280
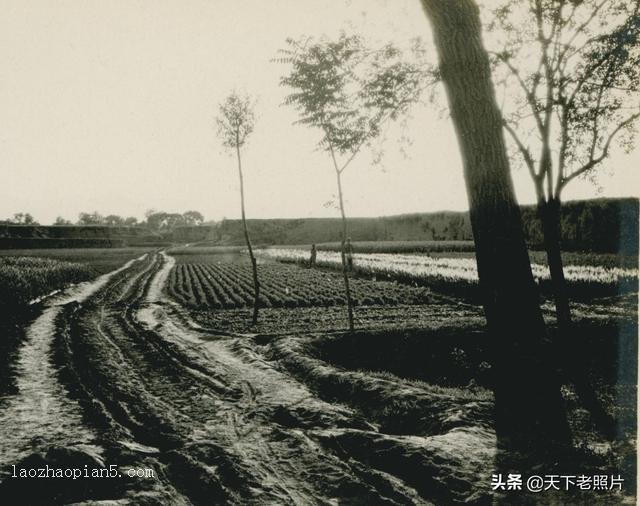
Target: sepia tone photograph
x=319, y=252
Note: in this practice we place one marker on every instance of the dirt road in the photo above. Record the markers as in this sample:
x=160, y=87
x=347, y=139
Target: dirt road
x=226, y=419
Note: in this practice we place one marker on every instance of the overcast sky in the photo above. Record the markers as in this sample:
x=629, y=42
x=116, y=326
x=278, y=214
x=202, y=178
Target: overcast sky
x=110, y=106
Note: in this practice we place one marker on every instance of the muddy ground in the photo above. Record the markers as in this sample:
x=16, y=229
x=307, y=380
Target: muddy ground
x=267, y=418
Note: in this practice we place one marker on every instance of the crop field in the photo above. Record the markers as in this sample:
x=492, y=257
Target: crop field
x=229, y=286
x=412, y=291
x=395, y=246
x=99, y=260
x=215, y=284
x=606, y=260
x=25, y=278
x=462, y=249
x=28, y=274
x=156, y=364
x=458, y=275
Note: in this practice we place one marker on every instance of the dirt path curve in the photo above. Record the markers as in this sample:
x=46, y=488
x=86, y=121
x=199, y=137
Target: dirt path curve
x=221, y=423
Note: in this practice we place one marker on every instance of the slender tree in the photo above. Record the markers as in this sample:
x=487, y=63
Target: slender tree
x=236, y=120
x=530, y=416
x=348, y=91
x=570, y=74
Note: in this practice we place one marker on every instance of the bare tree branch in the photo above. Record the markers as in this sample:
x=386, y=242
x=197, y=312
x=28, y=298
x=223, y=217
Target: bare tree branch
x=526, y=154
x=531, y=98
x=562, y=155
x=580, y=29
x=596, y=110
x=605, y=151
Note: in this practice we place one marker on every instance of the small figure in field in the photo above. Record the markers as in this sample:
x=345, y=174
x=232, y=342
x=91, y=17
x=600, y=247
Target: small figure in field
x=312, y=260
x=349, y=254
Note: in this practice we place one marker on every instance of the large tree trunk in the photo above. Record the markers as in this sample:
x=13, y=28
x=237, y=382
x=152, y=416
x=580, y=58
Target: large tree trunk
x=549, y=213
x=531, y=420
x=343, y=253
x=254, y=266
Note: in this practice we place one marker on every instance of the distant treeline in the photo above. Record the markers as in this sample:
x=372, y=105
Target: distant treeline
x=602, y=225
x=154, y=220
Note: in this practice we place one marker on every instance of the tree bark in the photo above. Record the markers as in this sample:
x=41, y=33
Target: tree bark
x=254, y=265
x=531, y=420
x=343, y=253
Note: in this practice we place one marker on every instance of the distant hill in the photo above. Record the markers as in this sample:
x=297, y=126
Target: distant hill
x=75, y=236
x=603, y=225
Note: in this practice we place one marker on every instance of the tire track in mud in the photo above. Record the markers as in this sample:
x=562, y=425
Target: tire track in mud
x=226, y=420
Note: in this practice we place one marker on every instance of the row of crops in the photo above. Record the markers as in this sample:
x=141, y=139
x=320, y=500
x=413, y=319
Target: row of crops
x=230, y=285
x=459, y=276
x=23, y=279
